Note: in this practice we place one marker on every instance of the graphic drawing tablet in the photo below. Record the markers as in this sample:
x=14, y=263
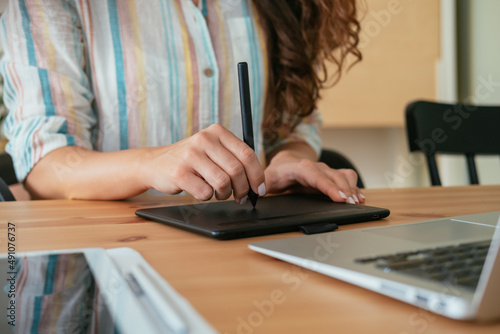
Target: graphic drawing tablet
x=275, y=214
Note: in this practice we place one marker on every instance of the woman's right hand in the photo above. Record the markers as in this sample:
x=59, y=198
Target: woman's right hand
x=211, y=161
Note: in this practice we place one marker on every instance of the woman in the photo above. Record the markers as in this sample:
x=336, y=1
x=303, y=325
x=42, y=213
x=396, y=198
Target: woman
x=108, y=99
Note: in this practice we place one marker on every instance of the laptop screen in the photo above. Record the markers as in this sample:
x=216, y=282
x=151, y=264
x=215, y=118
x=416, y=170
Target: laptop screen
x=52, y=294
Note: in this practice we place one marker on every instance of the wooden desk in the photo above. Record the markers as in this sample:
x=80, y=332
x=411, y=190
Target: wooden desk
x=234, y=287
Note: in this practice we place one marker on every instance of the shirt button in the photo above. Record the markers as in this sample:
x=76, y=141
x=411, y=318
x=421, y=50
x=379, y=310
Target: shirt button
x=208, y=72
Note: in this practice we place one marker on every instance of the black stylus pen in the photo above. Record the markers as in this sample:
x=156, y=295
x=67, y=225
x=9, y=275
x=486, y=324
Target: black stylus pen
x=246, y=116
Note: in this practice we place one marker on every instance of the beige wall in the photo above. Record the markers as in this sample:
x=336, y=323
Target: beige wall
x=399, y=40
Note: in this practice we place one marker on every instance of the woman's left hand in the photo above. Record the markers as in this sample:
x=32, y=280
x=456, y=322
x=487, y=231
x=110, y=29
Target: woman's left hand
x=290, y=171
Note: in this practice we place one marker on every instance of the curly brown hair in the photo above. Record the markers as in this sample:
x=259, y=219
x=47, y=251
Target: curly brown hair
x=302, y=36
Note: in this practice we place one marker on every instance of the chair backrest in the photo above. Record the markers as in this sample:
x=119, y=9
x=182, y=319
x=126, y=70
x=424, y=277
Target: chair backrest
x=7, y=172
x=7, y=177
x=5, y=193
x=454, y=129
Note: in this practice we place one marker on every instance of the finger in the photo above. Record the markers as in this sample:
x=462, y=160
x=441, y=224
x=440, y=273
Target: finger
x=232, y=167
x=196, y=160
x=210, y=142
x=361, y=196
x=186, y=179
x=342, y=181
x=310, y=174
x=214, y=176
x=343, y=185
x=247, y=157
x=345, y=179
x=352, y=178
x=253, y=169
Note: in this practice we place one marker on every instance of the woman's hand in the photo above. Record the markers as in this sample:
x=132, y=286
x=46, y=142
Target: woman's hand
x=288, y=170
x=212, y=161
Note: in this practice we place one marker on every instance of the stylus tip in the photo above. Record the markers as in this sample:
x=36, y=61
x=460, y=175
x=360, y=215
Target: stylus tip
x=253, y=198
x=253, y=201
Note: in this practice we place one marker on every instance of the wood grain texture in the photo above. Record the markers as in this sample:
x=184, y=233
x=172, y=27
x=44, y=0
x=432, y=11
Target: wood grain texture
x=238, y=290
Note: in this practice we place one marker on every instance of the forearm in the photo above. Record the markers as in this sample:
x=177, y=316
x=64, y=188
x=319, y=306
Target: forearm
x=77, y=173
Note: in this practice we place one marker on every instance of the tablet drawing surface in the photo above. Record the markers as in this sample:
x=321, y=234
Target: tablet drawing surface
x=274, y=214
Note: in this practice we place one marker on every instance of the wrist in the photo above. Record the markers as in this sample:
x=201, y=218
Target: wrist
x=285, y=156
x=142, y=171
x=294, y=151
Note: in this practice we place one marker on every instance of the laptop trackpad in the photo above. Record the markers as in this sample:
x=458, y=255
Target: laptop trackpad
x=436, y=231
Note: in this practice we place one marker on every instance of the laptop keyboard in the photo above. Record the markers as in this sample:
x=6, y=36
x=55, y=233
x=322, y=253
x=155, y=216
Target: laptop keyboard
x=459, y=265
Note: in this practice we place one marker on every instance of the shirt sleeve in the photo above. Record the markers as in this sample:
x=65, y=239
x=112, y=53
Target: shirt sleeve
x=46, y=88
x=307, y=131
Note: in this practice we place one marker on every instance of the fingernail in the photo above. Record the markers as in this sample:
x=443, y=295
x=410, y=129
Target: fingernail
x=355, y=198
x=262, y=189
x=350, y=200
x=362, y=196
x=342, y=194
x=243, y=200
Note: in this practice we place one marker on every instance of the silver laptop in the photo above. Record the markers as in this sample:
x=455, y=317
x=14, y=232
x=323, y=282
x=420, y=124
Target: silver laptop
x=449, y=266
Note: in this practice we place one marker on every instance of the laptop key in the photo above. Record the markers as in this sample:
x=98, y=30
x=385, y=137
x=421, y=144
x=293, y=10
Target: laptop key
x=402, y=264
x=366, y=260
x=439, y=276
x=459, y=265
x=468, y=282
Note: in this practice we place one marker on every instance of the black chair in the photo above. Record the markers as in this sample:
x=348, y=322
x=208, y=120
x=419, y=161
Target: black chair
x=7, y=177
x=336, y=160
x=453, y=129
x=5, y=193
x=7, y=172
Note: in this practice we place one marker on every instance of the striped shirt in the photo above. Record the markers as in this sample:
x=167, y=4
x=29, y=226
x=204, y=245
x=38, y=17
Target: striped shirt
x=110, y=75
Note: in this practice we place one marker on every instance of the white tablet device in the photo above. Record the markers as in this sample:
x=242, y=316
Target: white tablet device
x=90, y=290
